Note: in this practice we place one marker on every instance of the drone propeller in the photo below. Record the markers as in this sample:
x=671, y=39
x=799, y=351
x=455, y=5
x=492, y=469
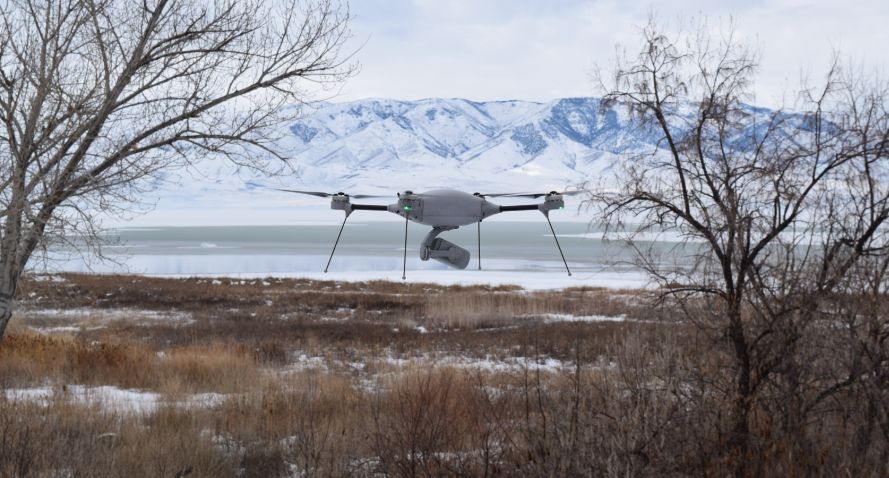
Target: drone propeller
x=493, y=195
x=573, y=192
x=497, y=195
x=327, y=195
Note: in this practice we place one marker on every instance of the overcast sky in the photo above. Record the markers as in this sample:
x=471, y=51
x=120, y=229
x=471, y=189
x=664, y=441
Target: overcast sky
x=545, y=49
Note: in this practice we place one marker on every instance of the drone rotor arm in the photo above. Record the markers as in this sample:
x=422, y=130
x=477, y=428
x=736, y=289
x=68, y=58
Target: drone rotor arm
x=520, y=207
x=369, y=207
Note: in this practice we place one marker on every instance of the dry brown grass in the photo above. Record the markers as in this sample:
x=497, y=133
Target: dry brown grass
x=31, y=359
x=64, y=439
x=326, y=379
x=313, y=421
x=436, y=422
x=277, y=318
x=475, y=309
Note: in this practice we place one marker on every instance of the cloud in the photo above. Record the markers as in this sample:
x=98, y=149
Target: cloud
x=527, y=49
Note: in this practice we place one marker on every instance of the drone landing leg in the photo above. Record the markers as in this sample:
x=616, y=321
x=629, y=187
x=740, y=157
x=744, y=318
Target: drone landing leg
x=479, y=245
x=404, y=264
x=335, y=243
x=557, y=242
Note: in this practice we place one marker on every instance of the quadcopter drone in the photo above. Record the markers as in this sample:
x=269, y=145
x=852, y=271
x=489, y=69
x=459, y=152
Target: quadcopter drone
x=444, y=210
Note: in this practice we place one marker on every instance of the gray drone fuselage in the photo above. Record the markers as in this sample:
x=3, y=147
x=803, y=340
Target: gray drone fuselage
x=443, y=208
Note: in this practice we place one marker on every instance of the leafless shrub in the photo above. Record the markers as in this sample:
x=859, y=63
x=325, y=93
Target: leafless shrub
x=311, y=422
x=423, y=422
x=412, y=430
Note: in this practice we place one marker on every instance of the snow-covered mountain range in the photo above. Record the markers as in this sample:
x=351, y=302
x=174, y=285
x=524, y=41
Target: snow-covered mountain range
x=456, y=142
x=379, y=145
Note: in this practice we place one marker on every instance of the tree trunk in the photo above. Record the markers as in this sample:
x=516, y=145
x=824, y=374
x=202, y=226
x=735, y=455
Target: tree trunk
x=740, y=437
x=8, y=286
x=5, y=312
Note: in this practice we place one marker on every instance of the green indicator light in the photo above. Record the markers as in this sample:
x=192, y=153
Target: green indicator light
x=407, y=208
x=561, y=207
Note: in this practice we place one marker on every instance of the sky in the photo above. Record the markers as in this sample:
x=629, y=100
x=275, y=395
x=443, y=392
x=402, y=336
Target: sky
x=544, y=49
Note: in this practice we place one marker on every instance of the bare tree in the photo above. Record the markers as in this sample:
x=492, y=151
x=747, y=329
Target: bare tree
x=97, y=96
x=781, y=211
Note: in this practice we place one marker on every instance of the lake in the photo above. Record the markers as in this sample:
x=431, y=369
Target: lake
x=512, y=252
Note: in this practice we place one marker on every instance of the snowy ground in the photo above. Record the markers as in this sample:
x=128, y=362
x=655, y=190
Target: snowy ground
x=525, y=279
x=109, y=398
x=76, y=319
x=531, y=280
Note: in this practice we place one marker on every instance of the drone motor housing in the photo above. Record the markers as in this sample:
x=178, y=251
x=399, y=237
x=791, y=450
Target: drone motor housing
x=341, y=202
x=551, y=202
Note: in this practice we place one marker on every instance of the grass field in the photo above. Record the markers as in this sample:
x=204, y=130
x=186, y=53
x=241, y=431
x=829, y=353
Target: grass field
x=127, y=375
x=135, y=376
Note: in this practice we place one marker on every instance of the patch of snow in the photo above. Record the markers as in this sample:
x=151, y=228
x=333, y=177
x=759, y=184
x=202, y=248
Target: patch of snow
x=489, y=363
x=582, y=318
x=307, y=362
x=515, y=364
x=110, y=398
x=63, y=329
x=47, y=278
x=110, y=315
x=511, y=364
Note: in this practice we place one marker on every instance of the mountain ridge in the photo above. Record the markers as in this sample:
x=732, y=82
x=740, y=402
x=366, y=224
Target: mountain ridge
x=562, y=141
